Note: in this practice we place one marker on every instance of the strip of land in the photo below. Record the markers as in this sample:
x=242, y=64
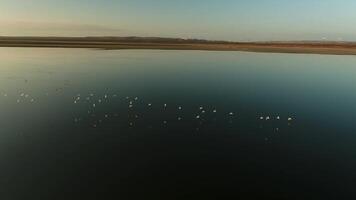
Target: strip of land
x=111, y=43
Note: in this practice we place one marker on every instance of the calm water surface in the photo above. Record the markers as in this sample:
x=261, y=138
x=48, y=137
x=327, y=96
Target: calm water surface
x=79, y=124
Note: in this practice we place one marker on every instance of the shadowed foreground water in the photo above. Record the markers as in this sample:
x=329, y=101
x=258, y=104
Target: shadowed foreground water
x=86, y=124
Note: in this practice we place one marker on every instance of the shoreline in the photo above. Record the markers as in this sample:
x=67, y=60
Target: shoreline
x=122, y=43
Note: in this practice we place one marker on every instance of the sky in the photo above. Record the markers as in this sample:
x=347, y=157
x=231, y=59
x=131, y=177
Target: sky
x=235, y=20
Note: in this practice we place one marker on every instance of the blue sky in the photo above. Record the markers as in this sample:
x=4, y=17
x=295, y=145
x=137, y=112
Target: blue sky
x=209, y=19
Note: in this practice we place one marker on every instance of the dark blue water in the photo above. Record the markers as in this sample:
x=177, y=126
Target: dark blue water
x=84, y=124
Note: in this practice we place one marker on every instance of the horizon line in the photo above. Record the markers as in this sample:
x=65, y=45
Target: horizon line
x=182, y=38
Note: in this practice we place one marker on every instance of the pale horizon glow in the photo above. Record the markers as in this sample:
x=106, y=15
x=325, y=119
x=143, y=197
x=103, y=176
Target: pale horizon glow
x=236, y=20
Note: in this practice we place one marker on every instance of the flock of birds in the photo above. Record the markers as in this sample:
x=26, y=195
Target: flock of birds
x=22, y=97
x=94, y=103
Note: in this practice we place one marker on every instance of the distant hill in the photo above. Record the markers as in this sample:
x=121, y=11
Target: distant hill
x=135, y=39
x=310, y=47
x=117, y=39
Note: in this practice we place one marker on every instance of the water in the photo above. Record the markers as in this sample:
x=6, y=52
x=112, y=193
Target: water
x=79, y=124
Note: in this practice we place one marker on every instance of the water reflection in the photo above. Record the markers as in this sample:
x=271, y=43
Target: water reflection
x=153, y=121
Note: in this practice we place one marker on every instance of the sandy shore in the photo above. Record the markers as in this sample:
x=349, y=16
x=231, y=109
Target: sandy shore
x=111, y=43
